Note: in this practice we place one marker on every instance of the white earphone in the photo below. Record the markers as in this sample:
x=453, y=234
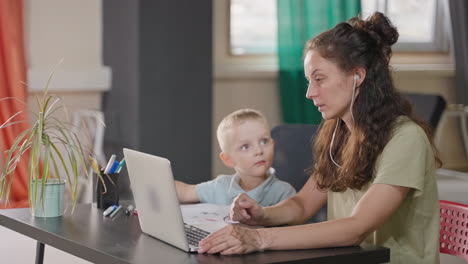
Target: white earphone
x=355, y=79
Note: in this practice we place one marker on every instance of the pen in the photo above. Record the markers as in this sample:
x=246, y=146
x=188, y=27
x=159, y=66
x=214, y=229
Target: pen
x=110, y=163
x=122, y=162
x=115, y=211
x=109, y=210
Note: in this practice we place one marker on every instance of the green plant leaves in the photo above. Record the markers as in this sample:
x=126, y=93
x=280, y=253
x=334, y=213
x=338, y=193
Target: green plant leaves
x=52, y=146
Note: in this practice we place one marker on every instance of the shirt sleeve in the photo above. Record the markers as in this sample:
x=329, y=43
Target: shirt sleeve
x=403, y=161
x=206, y=191
x=287, y=192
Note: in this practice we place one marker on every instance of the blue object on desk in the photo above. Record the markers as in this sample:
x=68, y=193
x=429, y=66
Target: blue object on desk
x=116, y=211
x=109, y=210
x=113, y=169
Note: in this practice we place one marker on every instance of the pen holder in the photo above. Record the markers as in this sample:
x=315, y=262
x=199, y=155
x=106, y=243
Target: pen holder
x=107, y=194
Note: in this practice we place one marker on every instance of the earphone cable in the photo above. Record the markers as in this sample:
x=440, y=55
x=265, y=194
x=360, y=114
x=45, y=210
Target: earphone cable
x=331, y=143
x=338, y=122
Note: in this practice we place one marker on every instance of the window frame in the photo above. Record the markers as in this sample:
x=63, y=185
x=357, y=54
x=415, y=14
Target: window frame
x=228, y=65
x=229, y=44
x=442, y=37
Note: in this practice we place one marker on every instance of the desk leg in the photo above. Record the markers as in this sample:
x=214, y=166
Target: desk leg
x=39, y=252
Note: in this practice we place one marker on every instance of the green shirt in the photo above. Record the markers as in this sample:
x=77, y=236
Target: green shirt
x=412, y=232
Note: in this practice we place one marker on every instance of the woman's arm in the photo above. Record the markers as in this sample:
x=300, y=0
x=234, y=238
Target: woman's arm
x=297, y=209
x=186, y=192
x=374, y=208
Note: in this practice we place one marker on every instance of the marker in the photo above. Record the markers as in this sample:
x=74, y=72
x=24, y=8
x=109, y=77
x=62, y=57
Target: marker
x=109, y=164
x=115, y=211
x=121, y=163
x=113, y=169
x=109, y=210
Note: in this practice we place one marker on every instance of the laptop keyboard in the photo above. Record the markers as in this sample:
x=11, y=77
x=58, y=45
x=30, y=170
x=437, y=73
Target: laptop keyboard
x=195, y=234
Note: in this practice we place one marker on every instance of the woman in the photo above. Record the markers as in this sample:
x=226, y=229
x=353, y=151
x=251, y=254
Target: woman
x=375, y=161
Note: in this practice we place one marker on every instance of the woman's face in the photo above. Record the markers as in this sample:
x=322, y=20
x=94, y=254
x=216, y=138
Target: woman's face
x=330, y=88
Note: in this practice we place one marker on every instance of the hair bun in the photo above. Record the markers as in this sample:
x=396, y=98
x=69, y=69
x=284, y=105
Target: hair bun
x=381, y=25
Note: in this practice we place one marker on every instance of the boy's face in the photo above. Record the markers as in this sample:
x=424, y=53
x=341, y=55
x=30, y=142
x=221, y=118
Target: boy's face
x=249, y=148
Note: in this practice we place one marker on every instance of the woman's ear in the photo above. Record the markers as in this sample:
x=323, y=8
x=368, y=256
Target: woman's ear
x=226, y=159
x=361, y=75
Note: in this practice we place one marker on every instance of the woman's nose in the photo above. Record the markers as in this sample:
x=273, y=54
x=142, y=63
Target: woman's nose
x=311, y=92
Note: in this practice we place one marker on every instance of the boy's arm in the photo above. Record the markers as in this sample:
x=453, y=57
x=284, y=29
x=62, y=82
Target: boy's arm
x=186, y=192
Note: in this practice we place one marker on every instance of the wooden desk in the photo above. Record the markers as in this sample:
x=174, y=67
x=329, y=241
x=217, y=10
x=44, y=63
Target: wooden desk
x=89, y=235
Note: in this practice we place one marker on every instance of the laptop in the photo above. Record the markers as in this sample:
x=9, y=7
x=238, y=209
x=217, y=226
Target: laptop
x=155, y=197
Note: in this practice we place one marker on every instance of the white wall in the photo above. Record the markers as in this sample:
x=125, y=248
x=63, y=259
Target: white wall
x=71, y=31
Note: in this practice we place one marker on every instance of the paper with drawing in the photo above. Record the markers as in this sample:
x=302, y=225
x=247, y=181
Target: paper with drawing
x=209, y=217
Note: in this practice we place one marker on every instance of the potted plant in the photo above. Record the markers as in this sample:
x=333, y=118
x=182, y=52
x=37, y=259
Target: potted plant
x=56, y=157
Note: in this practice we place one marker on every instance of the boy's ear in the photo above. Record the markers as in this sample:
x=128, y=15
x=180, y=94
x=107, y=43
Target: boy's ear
x=226, y=159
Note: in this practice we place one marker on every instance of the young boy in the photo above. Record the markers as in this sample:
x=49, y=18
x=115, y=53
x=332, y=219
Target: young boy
x=247, y=147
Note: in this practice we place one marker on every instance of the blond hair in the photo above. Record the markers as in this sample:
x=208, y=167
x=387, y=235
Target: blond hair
x=234, y=119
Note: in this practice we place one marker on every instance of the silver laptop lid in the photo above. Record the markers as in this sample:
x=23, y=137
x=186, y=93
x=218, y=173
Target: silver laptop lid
x=155, y=197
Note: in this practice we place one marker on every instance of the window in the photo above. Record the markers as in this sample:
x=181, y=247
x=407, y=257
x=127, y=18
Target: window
x=246, y=39
x=422, y=24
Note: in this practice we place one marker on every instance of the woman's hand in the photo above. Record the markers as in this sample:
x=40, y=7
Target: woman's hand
x=246, y=210
x=232, y=239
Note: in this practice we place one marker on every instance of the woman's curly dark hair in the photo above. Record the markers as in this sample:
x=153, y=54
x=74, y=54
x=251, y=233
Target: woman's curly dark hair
x=367, y=44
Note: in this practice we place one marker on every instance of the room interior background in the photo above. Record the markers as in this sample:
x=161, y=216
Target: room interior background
x=112, y=46
x=96, y=61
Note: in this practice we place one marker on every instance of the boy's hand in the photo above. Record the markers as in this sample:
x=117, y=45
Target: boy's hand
x=246, y=210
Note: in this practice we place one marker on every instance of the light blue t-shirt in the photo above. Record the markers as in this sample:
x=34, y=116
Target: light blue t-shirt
x=225, y=188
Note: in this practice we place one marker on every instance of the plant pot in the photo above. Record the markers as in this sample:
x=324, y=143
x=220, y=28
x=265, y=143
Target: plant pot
x=52, y=203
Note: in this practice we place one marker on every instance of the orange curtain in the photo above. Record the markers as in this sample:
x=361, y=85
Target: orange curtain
x=12, y=84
